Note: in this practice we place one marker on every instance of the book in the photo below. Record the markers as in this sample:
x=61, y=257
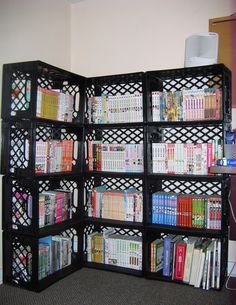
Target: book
x=180, y=253
x=169, y=241
x=189, y=257
x=157, y=254
x=41, y=157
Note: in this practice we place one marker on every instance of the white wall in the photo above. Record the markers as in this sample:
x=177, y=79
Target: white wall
x=32, y=30
x=110, y=36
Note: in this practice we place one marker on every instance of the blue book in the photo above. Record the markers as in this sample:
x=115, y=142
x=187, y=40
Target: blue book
x=173, y=209
x=166, y=259
x=45, y=256
x=153, y=208
x=169, y=242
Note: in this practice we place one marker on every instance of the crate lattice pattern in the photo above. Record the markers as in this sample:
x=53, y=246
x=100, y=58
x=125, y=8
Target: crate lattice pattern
x=19, y=201
x=118, y=136
x=20, y=92
x=19, y=155
x=189, y=187
x=188, y=134
x=21, y=261
x=196, y=82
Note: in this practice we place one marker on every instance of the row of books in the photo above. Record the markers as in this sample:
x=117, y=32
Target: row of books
x=115, y=109
x=195, y=211
x=185, y=158
x=115, y=249
x=54, y=254
x=53, y=156
x=121, y=205
x=54, y=207
x=195, y=261
x=187, y=105
x=115, y=157
x=54, y=105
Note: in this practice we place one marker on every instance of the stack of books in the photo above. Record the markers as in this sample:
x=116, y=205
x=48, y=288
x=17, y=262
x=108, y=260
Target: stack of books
x=195, y=261
x=115, y=157
x=53, y=156
x=54, y=254
x=54, y=105
x=187, y=105
x=193, y=211
x=115, y=249
x=54, y=207
x=185, y=158
x=115, y=109
x=121, y=205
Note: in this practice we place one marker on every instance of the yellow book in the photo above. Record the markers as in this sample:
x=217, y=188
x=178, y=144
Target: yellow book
x=49, y=103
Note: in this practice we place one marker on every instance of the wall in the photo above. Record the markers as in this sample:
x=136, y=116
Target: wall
x=110, y=36
x=31, y=30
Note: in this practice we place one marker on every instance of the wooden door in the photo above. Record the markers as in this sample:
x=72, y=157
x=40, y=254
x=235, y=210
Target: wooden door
x=226, y=28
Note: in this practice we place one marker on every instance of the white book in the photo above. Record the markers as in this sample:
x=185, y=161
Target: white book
x=213, y=282
x=195, y=266
x=209, y=267
x=188, y=258
x=218, y=264
x=200, y=270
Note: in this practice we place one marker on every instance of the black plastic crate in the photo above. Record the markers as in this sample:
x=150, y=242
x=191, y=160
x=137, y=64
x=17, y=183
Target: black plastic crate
x=112, y=135
x=212, y=76
x=158, y=275
x=22, y=208
x=22, y=262
x=111, y=183
x=20, y=83
x=171, y=133
x=204, y=186
x=116, y=85
x=19, y=145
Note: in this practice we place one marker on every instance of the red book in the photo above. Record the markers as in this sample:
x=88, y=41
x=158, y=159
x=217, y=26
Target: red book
x=190, y=212
x=209, y=155
x=180, y=252
x=94, y=202
x=67, y=155
x=185, y=211
x=90, y=155
x=179, y=205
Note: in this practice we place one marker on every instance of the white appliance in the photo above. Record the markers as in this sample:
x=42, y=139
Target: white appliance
x=201, y=49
